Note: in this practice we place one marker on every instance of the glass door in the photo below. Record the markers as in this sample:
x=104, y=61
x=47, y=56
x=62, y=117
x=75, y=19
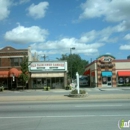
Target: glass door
x=104, y=81
x=109, y=82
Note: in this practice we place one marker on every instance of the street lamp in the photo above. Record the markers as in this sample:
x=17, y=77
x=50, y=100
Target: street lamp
x=72, y=48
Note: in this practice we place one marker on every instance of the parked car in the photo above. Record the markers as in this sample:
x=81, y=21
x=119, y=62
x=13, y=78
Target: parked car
x=83, y=81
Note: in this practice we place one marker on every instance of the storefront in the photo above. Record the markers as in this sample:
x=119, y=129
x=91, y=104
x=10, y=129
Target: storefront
x=123, y=78
x=52, y=74
x=107, y=71
x=10, y=79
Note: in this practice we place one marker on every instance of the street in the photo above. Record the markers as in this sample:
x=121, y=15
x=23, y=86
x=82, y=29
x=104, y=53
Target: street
x=39, y=92
x=66, y=115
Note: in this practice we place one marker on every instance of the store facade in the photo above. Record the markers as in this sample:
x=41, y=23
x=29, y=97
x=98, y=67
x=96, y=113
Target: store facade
x=106, y=71
x=10, y=68
x=48, y=73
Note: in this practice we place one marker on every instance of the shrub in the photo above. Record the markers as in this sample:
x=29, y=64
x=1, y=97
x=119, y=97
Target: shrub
x=2, y=88
x=82, y=92
x=76, y=91
x=68, y=87
x=46, y=88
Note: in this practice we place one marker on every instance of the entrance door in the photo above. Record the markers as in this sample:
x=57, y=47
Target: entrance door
x=106, y=82
x=109, y=84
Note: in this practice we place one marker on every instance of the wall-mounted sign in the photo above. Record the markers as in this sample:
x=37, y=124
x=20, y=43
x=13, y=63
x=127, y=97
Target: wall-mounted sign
x=106, y=65
x=106, y=59
x=48, y=66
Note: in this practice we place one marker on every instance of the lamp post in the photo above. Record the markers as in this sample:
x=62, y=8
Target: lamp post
x=72, y=48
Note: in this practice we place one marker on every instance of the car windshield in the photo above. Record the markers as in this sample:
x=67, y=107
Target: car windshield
x=83, y=78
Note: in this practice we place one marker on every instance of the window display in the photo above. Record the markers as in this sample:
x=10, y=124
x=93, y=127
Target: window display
x=124, y=80
x=104, y=80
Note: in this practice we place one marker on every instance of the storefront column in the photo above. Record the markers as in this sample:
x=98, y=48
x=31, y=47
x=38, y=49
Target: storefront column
x=65, y=79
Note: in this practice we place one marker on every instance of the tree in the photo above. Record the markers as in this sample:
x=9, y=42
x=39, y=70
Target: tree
x=75, y=64
x=24, y=68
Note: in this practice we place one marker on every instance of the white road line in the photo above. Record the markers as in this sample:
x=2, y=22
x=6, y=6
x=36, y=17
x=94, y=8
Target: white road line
x=71, y=116
x=98, y=105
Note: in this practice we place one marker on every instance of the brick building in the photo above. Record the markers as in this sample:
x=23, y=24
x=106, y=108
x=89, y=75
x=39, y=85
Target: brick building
x=10, y=59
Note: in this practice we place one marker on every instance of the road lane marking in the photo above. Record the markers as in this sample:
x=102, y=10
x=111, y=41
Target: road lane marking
x=98, y=105
x=70, y=116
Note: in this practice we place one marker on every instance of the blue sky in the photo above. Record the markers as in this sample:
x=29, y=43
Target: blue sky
x=52, y=27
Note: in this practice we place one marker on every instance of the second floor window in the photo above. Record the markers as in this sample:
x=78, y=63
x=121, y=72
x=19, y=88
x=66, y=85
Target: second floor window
x=16, y=61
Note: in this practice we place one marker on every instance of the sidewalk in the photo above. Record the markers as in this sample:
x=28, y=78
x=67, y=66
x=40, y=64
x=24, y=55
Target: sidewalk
x=52, y=97
x=62, y=98
x=113, y=88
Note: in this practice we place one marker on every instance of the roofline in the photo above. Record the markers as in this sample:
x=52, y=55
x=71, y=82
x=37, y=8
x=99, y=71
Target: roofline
x=115, y=60
x=106, y=55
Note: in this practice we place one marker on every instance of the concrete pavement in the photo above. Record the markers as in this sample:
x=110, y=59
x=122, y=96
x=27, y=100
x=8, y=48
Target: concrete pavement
x=53, y=97
x=62, y=97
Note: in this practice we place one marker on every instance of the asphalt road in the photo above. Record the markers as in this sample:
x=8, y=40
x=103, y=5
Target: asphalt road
x=80, y=115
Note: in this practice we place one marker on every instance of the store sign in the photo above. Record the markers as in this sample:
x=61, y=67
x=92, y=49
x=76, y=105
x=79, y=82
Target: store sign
x=107, y=59
x=48, y=66
x=106, y=65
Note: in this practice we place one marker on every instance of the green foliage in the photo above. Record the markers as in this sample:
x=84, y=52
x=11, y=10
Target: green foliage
x=68, y=87
x=46, y=88
x=1, y=88
x=124, y=85
x=76, y=91
x=24, y=68
x=74, y=61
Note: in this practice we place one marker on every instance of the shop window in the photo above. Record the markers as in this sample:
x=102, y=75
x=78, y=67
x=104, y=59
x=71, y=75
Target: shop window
x=104, y=80
x=3, y=82
x=16, y=61
x=44, y=82
x=39, y=83
x=121, y=80
x=34, y=83
x=124, y=80
x=127, y=80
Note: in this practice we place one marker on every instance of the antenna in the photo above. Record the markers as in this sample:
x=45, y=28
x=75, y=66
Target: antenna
x=44, y=57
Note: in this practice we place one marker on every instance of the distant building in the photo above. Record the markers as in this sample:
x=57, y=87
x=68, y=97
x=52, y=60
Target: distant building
x=128, y=57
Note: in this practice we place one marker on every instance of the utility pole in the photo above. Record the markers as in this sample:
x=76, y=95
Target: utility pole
x=44, y=57
x=73, y=48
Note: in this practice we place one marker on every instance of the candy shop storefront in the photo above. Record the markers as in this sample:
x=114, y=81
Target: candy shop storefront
x=52, y=74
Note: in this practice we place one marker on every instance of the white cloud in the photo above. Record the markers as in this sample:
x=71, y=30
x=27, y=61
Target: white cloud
x=127, y=37
x=89, y=36
x=88, y=43
x=103, y=35
x=65, y=44
x=4, y=9
x=125, y=47
x=111, y=10
x=38, y=11
x=23, y=34
x=23, y=1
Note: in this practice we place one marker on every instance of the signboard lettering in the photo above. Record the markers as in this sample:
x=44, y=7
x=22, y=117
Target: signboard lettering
x=48, y=66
